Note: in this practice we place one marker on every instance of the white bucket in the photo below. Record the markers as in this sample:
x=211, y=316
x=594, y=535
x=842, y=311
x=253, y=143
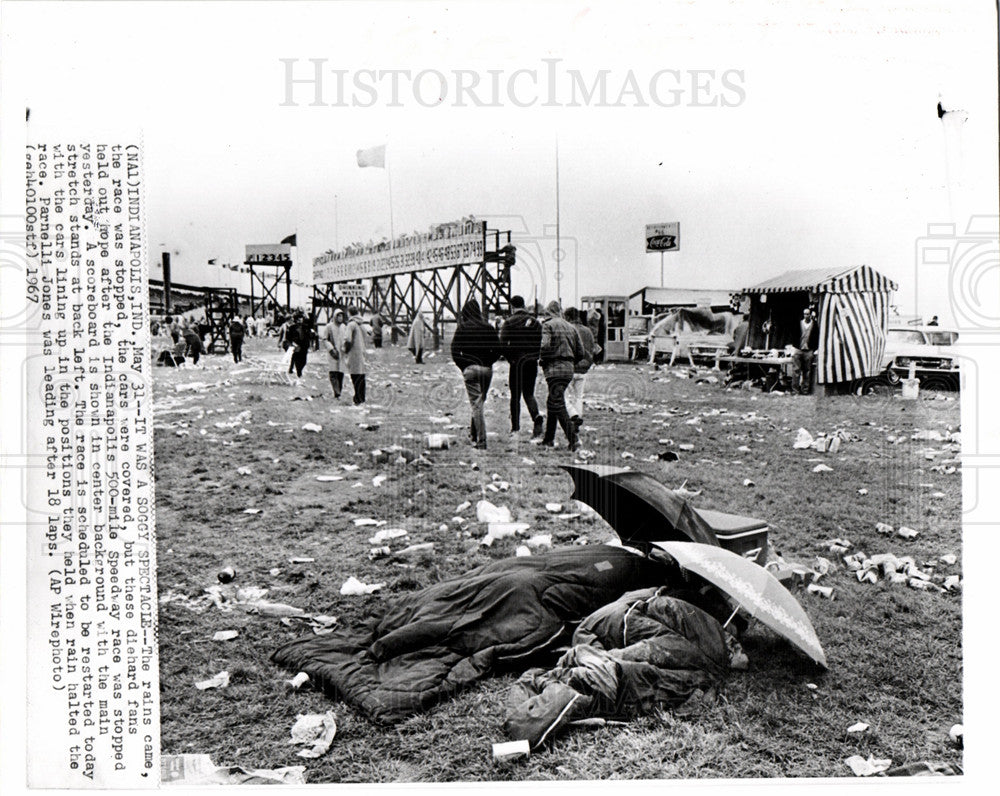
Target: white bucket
x=911, y=389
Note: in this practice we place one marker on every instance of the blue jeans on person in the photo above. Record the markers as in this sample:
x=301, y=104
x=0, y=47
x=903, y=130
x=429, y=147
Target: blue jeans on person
x=477, y=384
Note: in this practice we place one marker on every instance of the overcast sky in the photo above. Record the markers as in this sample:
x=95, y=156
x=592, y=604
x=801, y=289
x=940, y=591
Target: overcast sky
x=823, y=147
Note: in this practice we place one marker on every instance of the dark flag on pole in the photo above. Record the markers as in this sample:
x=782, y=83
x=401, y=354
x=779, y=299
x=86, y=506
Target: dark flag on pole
x=290, y=240
x=211, y=262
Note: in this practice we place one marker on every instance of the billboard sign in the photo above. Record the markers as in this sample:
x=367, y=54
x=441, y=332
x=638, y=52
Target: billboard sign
x=269, y=254
x=457, y=243
x=663, y=237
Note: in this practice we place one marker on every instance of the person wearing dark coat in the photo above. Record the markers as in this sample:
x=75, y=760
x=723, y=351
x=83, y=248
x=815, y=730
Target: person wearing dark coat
x=521, y=337
x=193, y=344
x=236, y=334
x=474, y=349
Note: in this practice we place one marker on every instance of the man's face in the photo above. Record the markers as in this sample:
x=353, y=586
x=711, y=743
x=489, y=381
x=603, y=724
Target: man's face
x=807, y=315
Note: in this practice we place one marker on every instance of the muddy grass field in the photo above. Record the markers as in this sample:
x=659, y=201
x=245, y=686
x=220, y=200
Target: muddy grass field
x=237, y=485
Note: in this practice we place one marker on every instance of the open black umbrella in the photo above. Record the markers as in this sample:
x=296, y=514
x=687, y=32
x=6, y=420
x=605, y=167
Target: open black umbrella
x=637, y=506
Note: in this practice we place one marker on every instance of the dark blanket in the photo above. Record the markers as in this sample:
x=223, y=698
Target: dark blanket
x=431, y=643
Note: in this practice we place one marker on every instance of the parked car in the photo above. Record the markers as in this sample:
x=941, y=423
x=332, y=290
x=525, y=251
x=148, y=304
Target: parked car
x=929, y=350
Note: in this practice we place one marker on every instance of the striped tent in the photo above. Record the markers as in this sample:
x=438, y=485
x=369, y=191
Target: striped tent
x=853, y=316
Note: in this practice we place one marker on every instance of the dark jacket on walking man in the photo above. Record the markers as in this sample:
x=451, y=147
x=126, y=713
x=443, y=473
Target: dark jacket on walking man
x=559, y=352
x=521, y=338
x=237, y=331
x=474, y=349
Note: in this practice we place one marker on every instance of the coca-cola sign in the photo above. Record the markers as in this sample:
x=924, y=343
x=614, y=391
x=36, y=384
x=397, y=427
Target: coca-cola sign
x=663, y=237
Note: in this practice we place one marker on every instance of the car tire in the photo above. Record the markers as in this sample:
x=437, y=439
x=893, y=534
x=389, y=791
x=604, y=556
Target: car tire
x=892, y=377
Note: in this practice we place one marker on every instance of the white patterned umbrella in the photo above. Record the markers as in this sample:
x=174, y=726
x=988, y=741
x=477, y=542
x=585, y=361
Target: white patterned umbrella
x=756, y=590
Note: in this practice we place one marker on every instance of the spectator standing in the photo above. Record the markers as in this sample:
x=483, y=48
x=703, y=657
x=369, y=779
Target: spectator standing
x=333, y=340
x=474, y=349
x=353, y=354
x=377, y=324
x=802, y=360
x=560, y=349
x=520, y=339
x=595, y=322
x=415, y=340
x=574, y=393
x=298, y=338
x=236, y=335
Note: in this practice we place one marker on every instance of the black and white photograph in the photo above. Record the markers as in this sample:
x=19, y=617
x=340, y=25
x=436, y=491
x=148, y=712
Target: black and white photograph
x=475, y=393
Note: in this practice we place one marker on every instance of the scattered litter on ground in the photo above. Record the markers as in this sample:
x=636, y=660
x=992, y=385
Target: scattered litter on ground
x=748, y=482
x=487, y=512
x=301, y=560
x=198, y=769
x=297, y=682
x=949, y=559
x=318, y=729
x=378, y=480
x=329, y=478
x=221, y=680
x=312, y=427
x=502, y=530
x=906, y=533
x=353, y=586
x=555, y=508
x=869, y=767
x=822, y=468
x=225, y=635
x=361, y=522
x=859, y=727
x=387, y=534
x=522, y=551
x=957, y=734
x=510, y=750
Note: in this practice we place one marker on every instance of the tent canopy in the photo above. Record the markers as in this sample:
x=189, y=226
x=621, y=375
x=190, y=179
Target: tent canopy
x=857, y=279
x=853, y=315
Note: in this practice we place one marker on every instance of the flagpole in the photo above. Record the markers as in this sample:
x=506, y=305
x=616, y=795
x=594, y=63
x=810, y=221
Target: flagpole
x=388, y=177
x=336, y=224
x=558, y=247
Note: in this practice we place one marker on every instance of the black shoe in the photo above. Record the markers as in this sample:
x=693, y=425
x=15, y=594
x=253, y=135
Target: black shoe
x=549, y=443
x=539, y=427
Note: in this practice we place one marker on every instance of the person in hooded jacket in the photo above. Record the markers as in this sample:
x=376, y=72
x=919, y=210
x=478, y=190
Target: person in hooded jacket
x=560, y=349
x=574, y=393
x=333, y=339
x=415, y=339
x=521, y=336
x=474, y=349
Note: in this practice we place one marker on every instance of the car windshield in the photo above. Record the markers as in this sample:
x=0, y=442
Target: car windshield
x=942, y=338
x=906, y=336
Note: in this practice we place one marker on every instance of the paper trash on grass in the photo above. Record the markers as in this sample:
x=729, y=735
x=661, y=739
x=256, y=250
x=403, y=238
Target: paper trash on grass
x=318, y=729
x=859, y=727
x=906, y=533
x=225, y=635
x=329, y=478
x=387, y=534
x=463, y=506
x=301, y=560
x=187, y=770
x=312, y=427
x=378, y=480
x=221, y=680
x=803, y=439
x=502, y=530
x=822, y=468
x=540, y=540
x=555, y=508
x=869, y=767
x=353, y=586
x=487, y=512
x=523, y=551
x=361, y=522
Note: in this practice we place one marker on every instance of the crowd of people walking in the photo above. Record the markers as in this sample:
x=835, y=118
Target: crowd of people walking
x=560, y=342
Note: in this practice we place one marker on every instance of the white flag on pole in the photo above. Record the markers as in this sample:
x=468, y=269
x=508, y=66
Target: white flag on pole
x=375, y=156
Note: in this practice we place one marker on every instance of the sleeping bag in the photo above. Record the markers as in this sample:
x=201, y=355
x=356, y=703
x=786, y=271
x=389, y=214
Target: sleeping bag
x=644, y=651
x=429, y=644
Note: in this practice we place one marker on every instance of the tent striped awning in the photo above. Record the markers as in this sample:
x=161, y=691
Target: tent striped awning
x=856, y=279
